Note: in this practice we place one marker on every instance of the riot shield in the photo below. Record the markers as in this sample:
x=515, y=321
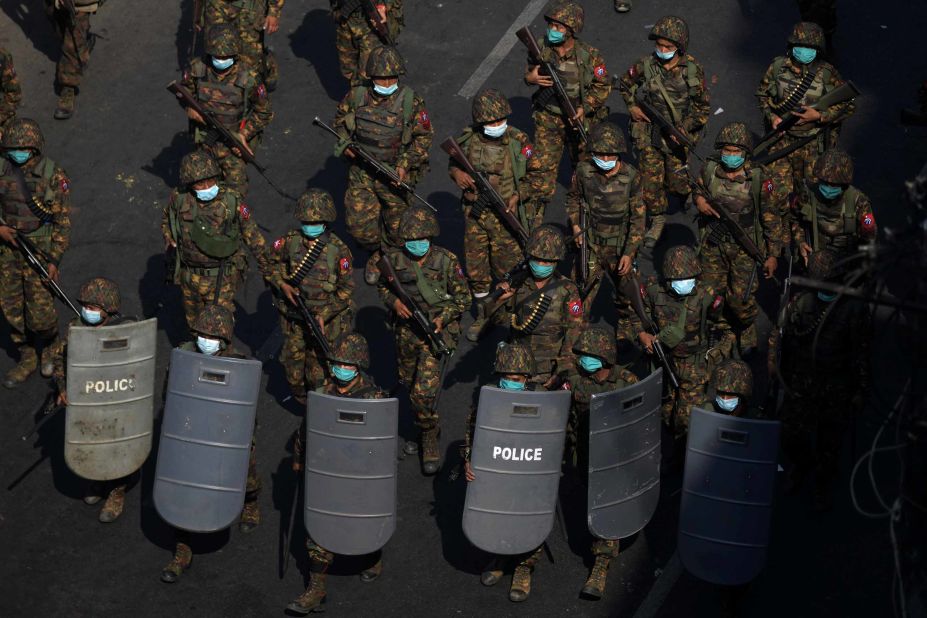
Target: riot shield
x=351, y=466
x=624, y=458
x=727, y=495
x=205, y=440
x=516, y=454
x=110, y=388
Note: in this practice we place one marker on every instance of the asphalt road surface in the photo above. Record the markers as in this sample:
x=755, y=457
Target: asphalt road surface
x=122, y=150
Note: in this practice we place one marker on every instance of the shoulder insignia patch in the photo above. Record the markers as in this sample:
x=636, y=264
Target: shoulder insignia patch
x=345, y=264
x=65, y=184
x=460, y=272
x=262, y=91
x=527, y=151
x=576, y=307
x=768, y=185
x=632, y=71
x=278, y=244
x=717, y=303
x=600, y=71
x=424, y=120
x=867, y=223
x=244, y=211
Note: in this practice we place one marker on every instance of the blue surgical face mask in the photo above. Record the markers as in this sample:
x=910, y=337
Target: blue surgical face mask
x=418, y=248
x=804, y=55
x=19, y=156
x=495, y=132
x=207, y=195
x=732, y=162
x=662, y=55
x=221, y=64
x=683, y=287
x=555, y=37
x=728, y=405
x=511, y=385
x=829, y=192
x=385, y=90
x=605, y=165
x=313, y=230
x=343, y=374
x=90, y=316
x=590, y=363
x=827, y=297
x=540, y=271
x=207, y=346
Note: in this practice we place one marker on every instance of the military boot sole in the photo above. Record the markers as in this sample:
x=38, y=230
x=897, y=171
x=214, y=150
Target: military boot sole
x=370, y=575
x=410, y=447
x=490, y=578
x=590, y=591
x=108, y=516
x=430, y=468
x=622, y=7
x=302, y=610
x=169, y=575
x=63, y=114
x=48, y=370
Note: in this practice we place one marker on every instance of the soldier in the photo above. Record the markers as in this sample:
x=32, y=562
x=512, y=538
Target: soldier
x=11, y=94
x=253, y=20
x=504, y=155
x=753, y=200
x=609, y=191
x=433, y=278
x=390, y=121
x=791, y=84
x=213, y=332
x=830, y=212
x=207, y=225
x=682, y=310
x=582, y=70
x=596, y=370
x=36, y=204
x=732, y=387
x=349, y=363
x=230, y=88
x=76, y=44
x=673, y=82
x=356, y=34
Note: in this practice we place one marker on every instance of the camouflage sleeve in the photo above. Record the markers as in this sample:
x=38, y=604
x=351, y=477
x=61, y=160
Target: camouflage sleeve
x=386, y=295
x=394, y=16
x=796, y=205
x=255, y=241
x=261, y=112
x=700, y=103
x=187, y=80
x=629, y=82
x=9, y=87
x=638, y=218
x=275, y=8
x=840, y=112
x=600, y=86
x=61, y=216
x=459, y=288
x=414, y=156
x=166, y=218
x=637, y=325
x=765, y=94
x=865, y=219
x=772, y=200
x=573, y=322
x=574, y=200
x=627, y=376
x=468, y=435
x=277, y=259
x=59, y=359
x=344, y=285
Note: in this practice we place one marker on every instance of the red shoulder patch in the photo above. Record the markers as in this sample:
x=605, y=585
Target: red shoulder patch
x=768, y=185
x=244, y=211
x=600, y=71
x=345, y=264
x=717, y=303
x=643, y=291
x=576, y=307
x=424, y=120
x=528, y=151
x=460, y=272
x=262, y=91
x=632, y=71
x=278, y=244
x=867, y=224
x=65, y=184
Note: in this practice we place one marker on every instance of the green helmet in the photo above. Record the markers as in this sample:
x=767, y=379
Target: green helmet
x=418, y=222
x=546, y=243
x=734, y=376
x=514, y=358
x=673, y=29
x=222, y=41
x=597, y=341
x=198, y=165
x=385, y=61
x=351, y=349
x=607, y=138
x=316, y=205
x=834, y=167
x=808, y=34
x=822, y=265
x=214, y=321
x=101, y=292
x=680, y=262
x=570, y=14
x=23, y=133
x=735, y=134
x=489, y=104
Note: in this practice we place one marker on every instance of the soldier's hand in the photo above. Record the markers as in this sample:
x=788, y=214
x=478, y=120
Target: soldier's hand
x=638, y=114
x=770, y=266
x=468, y=472
x=349, y=153
x=271, y=24
x=512, y=206
x=807, y=115
x=194, y=115
x=321, y=323
x=381, y=9
x=646, y=340
x=507, y=293
x=776, y=121
x=244, y=144
x=578, y=237
x=535, y=78
x=439, y=324
x=8, y=235
x=401, y=310
x=402, y=173
x=805, y=250
x=62, y=399
x=579, y=115
x=624, y=265
x=704, y=208
x=463, y=180
x=53, y=272
x=169, y=244
x=289, y=291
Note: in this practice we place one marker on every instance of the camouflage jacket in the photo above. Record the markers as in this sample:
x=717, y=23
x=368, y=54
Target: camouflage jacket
x=771, y=92
x=683, y=322
x=360, y=26
x=51, y=200
x=249, y=13
x=593, y=85
x=584, y=385
x=363, y=388
x=438, y=284
x=505, y=173
x=10, y=93
x=255, y=111
x=614, y=205
x=228, y=351
x=839, y=225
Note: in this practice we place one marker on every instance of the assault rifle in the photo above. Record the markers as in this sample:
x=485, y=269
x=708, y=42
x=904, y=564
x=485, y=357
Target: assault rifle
x=582, y=273
x=379, y=24
x=435, y=340
x=661, y=121
x=634, y=293
x=777, y=386
x=314, y=327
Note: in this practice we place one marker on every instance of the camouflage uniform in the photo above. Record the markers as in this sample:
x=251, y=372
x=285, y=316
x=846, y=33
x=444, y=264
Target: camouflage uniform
x=45, y=220
x=585, y=78
x=731, y=377
x=248, y=17
x=209, y=238
x=11, y=94
x=783, y=79
x=238, y=99
x=355, y=37
x=614, y=213
x=753, y=199
x=680, y=95
x=76, y=45
x=685, y=332
x=321, y=270
x=396, y=129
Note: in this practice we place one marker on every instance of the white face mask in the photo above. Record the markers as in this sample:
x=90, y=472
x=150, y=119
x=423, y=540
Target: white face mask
x=207, y=346
x=683, y=287
x=496, y=131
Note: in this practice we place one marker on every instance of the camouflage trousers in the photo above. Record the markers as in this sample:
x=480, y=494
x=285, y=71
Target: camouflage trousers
x=303, y=362
x=726, y=268
x=693, y=374
x=234, y=169
x=490, y=249
x=372, y=209
x=354, y=43
x=322, y=556
x=75, y=46
x=198, y=289
x=420, y=370
x=605, y=547
x=250, y=26
x=26, y=303
x=658, y=178
x=790, y=172
x=551, y=136
x=603, y=262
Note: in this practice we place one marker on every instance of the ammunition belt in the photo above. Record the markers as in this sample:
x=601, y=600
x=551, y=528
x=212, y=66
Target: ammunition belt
x=534, y=317
x=295, y=278
x=794, y=98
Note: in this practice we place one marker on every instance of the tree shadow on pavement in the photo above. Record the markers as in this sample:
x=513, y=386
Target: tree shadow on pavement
x=314, y=41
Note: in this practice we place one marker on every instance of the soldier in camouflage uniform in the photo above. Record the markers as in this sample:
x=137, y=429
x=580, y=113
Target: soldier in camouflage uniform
x=356, y=37
x=311, y=262
x=433, y=278
x=350, y=361
x=76, y=44
x=682, y=308
x=607, y=191
x=42, y=215
x=231, y=89
x=213, y=330
x=207, y=225
x=388, y=120
x=791, y=84
x=504, y=155
x=582, y=70
x=596, y=370
x=11, y=94
x=730, y=389
x=825, y=365
x=546, y=311
x=516, y=369
x=753, y=200
x=253, y=20
x=673, y=82
x=831, y=213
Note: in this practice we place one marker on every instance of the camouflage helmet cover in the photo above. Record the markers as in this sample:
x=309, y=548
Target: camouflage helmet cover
x=316, y=205
x=514, y=358
x=834, y=167
x=198, y=165
x=734, y=376
x=607, y=138
x=546, y=243
x=570, y=14
x=351, y=349
x=418, y=222
x=214, y=321
x=735, y=134
x=822, y=265
x=222, y=41
x=808, y=34
x=680, y=262
x=23, y=133
x=673, y=29
x=597, y=341
x=385, y=61
x=490, y=104
x=100, y=292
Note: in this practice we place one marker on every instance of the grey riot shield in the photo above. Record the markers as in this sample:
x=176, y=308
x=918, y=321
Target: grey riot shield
x=110, y=387
x=516, y=454
x=205, y=440
x=624, y=458
x=351, y=464
x=727, y=494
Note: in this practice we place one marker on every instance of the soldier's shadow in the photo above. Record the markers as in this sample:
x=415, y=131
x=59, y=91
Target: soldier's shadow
x=448, y=507
x=166, y=164
x=31, y=19
x=184, y=35
x=162, y=300
x=314, y=41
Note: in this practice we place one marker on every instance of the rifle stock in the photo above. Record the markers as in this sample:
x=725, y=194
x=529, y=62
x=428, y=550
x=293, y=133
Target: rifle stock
x=379, y=24
x=635, y=296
